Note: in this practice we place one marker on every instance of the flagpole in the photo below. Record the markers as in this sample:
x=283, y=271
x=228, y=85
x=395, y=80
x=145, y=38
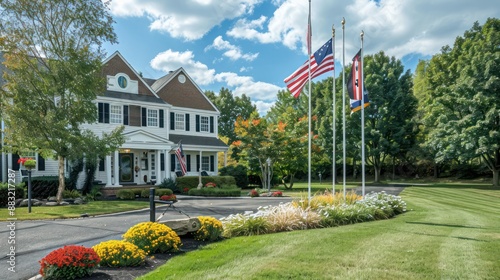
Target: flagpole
x=309, y=36
x=362, y=120
x=343, y=106
x=334, y=116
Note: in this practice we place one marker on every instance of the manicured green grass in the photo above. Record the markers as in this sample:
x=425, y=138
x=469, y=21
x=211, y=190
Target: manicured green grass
x=73, y=211
x=449, y=233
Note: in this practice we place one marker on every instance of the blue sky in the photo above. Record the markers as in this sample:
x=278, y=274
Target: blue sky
x=250, y=46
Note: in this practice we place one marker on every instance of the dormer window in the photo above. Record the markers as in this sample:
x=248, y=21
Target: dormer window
x=121, y=82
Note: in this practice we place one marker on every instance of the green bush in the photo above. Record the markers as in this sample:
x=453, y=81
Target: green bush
x=192, y=181
x=43, y=186
x=162, y=192
x=126, y=194
x=215, y=192
x=94, y=194
x=71, y=194
x=145, y=193
x=238, y=172
x=18, y=192
x=169, y=183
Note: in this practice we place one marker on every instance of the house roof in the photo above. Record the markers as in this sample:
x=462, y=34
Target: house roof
x=133, y=97
x=197, y=140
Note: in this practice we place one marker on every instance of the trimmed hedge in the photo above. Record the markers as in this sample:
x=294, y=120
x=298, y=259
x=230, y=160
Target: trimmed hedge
x=191, y=182
x=215, y=192
x=158, y=192
x=239, y=172
x=44, y=186
x=4, y=193
x=126, y=194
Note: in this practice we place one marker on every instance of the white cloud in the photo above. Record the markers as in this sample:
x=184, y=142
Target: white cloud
x=172, y=60
x=231, y=51
x=187, y=19
x=263, y=107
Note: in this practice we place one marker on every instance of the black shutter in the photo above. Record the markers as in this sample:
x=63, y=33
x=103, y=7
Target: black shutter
x=212, y=163
x=197, y=123
x=172, y=121
x=187, y=122
x=125, y=116
x=188, y=162
x=211, y=124
x=162, y=162
x=144, y=117
x=15, y=165
x=106, y=112
x=102, y=163
x=172, y=162
x=197, y=163
x=100, y=109
x=41, y=163
x=161, y=117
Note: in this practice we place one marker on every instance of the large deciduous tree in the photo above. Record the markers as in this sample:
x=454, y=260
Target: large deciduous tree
x=464, y=109
x=53, y=74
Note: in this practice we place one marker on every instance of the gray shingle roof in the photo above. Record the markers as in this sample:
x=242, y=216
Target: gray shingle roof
x=197, y=140
x=133, y=97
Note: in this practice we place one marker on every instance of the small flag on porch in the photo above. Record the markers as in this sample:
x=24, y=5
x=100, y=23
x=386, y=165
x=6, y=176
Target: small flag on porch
x=182, y=160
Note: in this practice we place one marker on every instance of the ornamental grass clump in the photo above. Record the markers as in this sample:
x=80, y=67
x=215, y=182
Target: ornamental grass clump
x=69, y=262
x=244, y=225
x=153, y=238
x=326, y=199
x=119, y=253
x=287, y=217
x=211, y=229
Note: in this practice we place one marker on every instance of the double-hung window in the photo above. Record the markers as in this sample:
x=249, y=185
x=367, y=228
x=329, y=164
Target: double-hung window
x=115, y=114
x=179, y=122
x=153, y=117
x=204, y=124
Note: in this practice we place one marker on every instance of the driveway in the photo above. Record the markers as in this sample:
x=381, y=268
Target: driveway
x=35, y=239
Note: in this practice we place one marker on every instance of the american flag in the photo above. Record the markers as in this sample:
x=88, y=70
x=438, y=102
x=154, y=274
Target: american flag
x=321, y=62
x=182, y=160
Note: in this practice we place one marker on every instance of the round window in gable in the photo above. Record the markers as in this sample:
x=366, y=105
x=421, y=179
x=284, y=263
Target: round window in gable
x=122, y=82
x=182, y=79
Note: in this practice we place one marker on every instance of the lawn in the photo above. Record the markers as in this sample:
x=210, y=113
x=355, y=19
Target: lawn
x=451, y=232
x=73, y=211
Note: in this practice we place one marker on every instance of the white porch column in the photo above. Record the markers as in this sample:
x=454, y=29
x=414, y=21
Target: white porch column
x=116, y=167
x=108, y=171
x=167, y=165
x=200, y=185
x=159, y=177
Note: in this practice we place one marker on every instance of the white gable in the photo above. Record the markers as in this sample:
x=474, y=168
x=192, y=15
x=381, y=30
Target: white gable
x=121, y=82
x=141, y=139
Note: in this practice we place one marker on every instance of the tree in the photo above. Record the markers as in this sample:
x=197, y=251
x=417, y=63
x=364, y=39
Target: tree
x=389, y=127
x=53, y=59
x=464, y=111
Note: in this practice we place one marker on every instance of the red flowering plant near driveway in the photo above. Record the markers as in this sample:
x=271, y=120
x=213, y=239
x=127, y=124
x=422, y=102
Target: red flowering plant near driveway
x=69, y=262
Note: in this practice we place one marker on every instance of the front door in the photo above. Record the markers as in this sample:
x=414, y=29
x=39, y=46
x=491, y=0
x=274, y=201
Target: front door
x=126, y=168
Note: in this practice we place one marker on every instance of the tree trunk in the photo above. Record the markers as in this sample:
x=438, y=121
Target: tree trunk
x=436, y=170
x=60, y=189
x=377, y=173
x=292, y=177
x=393, y=168
x=495, y=178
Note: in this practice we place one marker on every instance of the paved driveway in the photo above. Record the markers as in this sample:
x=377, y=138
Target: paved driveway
x=35, y=239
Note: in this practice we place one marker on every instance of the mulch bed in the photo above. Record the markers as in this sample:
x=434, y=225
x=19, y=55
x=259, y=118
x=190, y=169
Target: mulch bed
x=130, y=273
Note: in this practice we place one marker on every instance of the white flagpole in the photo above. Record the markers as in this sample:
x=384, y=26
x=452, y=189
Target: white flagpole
x=334, y=116
x=343, y=105
x=362, y=120
x=309, y=113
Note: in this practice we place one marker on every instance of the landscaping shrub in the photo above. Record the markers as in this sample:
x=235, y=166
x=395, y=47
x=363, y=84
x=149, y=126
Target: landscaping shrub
x=211, y=229
x=244, y=225
x=125, y=194
x=171, y=197
x=43, y=186
x=169, y=183
x=94, y=194
x=238, y=172
x=254, y=193
x=153, y=238
x=215, y=192
x=192, y=181
x=69, y=262
x=17, y=192
x=286, y=217
x=71, y=194
x=116, y=253
x=162, y=192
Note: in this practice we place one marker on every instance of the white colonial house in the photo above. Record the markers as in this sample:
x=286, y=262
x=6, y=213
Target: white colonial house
x=157, y=115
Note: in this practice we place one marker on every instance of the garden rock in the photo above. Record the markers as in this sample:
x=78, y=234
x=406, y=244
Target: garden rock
x=183, y=226
x=78, y=201
x=52, y=198
x=34, y=202
x=51, y=203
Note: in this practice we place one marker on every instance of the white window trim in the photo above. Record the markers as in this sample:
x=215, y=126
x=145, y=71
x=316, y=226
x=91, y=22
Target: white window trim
x=203, y=163
x=115, y=118
x=178, y=122
x=202, y=124
x=148, y=118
